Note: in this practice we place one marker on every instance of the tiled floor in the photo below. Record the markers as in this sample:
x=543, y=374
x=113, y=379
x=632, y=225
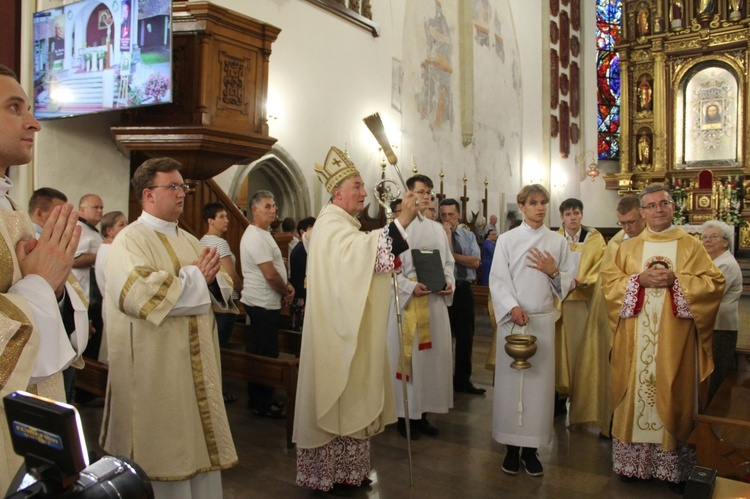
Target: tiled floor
x=463, y=462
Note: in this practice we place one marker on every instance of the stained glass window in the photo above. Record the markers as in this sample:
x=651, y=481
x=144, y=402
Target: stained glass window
x=608, y=32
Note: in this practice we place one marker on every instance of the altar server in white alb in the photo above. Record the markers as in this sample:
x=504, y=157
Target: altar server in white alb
x=164, y=407
x=532, y=265
x=426, y=329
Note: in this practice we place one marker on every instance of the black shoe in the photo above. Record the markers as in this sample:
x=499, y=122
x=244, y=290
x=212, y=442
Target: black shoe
x=341, y=490
x=561, y=406
x=628, y=479
x=468, y=387
x=511, y=463
x=530, y=461
x=678, y=487
x=426, y=428
x=401, y=425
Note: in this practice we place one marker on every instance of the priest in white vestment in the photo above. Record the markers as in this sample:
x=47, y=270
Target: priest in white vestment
x=427, y=333
x=35, y=346
x=532, y=266
x=164, y=406
x=345, y=395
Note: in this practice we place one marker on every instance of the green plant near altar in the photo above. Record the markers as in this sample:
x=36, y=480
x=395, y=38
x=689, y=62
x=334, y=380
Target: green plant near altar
x=729, y=198
x=680, y=197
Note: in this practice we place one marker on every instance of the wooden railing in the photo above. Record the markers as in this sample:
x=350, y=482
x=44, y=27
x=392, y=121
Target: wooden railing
x=208, y=191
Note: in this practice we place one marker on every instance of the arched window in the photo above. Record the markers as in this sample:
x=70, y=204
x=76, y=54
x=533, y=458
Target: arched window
x=608, y=32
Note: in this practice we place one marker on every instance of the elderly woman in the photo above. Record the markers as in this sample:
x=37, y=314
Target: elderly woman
x=715, y=238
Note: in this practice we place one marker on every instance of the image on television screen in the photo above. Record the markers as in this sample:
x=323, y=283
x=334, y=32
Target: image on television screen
x=102, y=55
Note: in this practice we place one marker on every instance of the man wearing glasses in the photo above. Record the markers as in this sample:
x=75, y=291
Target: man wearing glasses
x=663, y=293
x=164, y=407
x=426, y=326
x=592, y=406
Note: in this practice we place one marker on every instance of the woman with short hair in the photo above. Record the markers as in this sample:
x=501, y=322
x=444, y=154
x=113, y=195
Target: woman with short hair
x=716, y=237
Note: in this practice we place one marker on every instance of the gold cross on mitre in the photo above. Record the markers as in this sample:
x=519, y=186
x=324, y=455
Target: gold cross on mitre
x=338, y=167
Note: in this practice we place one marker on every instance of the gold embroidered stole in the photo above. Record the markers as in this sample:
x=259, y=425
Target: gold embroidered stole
x=416, y=319
x=647, y=424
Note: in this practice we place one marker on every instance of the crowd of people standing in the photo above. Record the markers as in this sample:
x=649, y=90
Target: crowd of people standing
x=157, y=304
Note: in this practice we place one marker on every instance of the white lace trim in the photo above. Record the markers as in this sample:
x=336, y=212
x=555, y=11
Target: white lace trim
x=384, y=258
x=630, y=300
x=681, y=304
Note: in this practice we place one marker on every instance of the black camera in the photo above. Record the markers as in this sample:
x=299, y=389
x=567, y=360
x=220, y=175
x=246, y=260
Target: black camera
x=49, y=436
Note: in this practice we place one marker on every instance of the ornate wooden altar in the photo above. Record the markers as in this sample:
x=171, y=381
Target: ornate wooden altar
x=684, y=105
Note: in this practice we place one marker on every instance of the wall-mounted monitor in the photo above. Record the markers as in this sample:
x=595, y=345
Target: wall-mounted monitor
x=102, y=55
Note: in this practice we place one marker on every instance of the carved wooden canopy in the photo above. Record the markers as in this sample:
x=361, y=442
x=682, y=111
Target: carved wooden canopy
x=220, y=85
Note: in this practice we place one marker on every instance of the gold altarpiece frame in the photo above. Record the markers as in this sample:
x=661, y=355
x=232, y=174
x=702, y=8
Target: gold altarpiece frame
x=685, y=97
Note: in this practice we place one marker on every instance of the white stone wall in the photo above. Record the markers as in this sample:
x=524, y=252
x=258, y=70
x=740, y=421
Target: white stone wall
x=326, y=75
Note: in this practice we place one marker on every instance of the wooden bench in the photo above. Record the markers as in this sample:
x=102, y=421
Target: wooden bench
x=289, y=341
x=721, y=436
x=266, y=371
x=276, y=373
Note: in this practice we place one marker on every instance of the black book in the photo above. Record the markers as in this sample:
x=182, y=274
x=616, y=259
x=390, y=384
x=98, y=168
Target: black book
x=429, y=266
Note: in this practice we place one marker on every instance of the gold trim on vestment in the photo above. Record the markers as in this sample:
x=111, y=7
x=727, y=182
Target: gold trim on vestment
x=416, y=318
x=14, y=347
x=6, y=262
x=156, y=299
x=78, y=289
x=170, y=251
x=200, y=391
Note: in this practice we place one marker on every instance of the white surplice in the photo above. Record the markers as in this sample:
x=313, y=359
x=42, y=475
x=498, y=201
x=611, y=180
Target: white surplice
x=524, y=399
x=430, y=386
x=34, y=346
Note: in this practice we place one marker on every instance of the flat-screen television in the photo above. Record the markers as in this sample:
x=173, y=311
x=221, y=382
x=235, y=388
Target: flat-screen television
x=102, y=55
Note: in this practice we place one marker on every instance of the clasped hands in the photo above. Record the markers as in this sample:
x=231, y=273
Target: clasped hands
x=209, y=264
x=51, y=256
x=656, y=277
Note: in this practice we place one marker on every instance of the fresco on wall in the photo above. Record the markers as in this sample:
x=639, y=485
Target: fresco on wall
x=397, y=83
x=482, y=22
x=435, y=98
x=499, y=44
x=495, y=148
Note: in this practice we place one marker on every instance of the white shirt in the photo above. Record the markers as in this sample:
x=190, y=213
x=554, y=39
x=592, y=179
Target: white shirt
x=89, y=243
x=256, y=247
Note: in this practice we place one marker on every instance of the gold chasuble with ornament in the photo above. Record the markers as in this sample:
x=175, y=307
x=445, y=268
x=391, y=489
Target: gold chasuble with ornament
x=164, y=406
x=661, y=347
x=590, y=396
x=574, y=309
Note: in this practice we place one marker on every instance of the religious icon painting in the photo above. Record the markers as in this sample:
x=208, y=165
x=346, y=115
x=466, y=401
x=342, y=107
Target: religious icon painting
x=575, y=133
x=575, y=15
x=575, y=46
x=712, y=116
x=564, y=129
x=564, y=39
x=564, y=84
x=554, y=126
x=575, y=85
x=554, y=7
x=554, y=78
